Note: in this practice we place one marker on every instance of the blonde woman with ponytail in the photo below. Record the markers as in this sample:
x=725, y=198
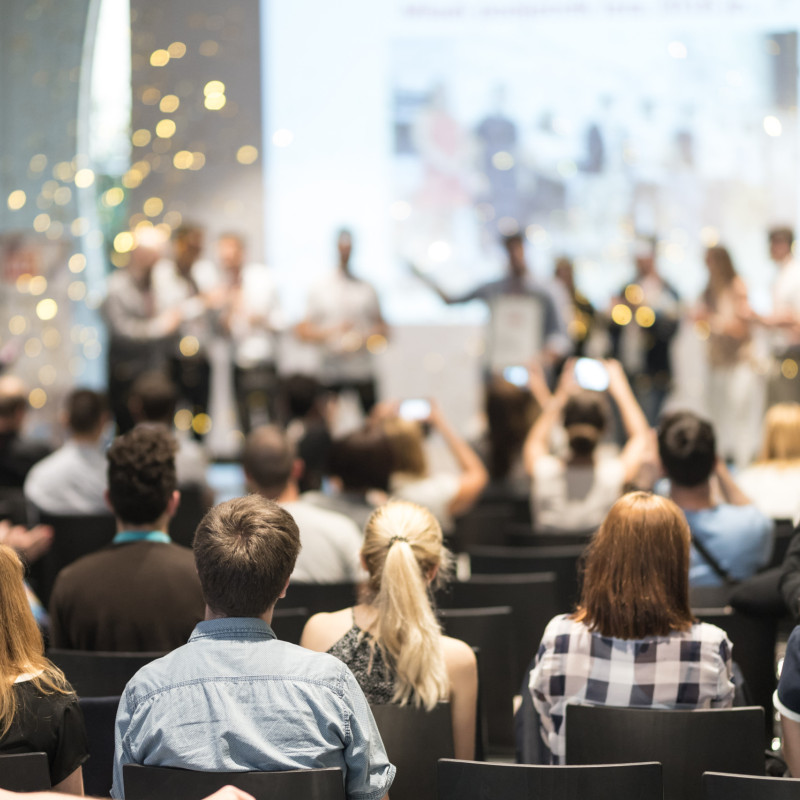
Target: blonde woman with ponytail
x=392, y=641
x=38, y=709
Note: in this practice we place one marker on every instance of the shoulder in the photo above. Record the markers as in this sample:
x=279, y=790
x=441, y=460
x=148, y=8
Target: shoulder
x=457, y=653
x=561, y=626
x=323, y=630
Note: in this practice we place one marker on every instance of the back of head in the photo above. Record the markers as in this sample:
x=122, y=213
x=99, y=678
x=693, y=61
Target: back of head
x=408, y=446
x=362, y=460
x=13, y=402
x=86, y=412
x=403, y=551
x=302, y=395
x=21, y=645
x=510, y=412
x=585, y=419
x=141, y=474
x=687, y=448
x=268, y=460
x=636, y=582
x=245, y=551
x=153, y=398
x=781, y=433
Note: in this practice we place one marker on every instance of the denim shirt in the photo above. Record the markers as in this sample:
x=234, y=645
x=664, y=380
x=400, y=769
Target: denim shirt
x=235, y=698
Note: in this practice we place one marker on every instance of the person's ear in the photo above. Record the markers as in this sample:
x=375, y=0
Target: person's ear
x=433, y=573
x=173, y=503
x=285, y=588
x=298, y=468
x=107, y=501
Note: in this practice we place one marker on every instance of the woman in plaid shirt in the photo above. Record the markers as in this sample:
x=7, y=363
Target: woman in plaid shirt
x=632, y=640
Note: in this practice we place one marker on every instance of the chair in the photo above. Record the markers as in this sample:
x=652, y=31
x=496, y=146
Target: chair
x=490, y=630
x=481, y=525
x=288, y=623
x=687, y=743
x=100, y=714
x=471, y=780
x=719, y=786
x=753, y=638
x=533, y=602
x=516, y=535
x=193, y=506
x=563, y=560
x=168, y=783
x=415, y=739
x=318, y=597
x=24, y=772
x=99, y=674
x=74, y=536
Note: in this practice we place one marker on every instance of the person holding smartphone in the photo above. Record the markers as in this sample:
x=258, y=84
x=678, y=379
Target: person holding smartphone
x=574, y=491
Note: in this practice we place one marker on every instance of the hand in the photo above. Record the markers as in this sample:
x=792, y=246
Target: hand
x=385, y=410
x=171, y=319
x=230, y=793
x=31, y=543
x=617, y=379
x=436, y=417
x=567, y=385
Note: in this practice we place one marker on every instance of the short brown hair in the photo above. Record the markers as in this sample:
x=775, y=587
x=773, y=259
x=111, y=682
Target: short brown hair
x=268, y=459
x=636, y=582
x=86, y=411
x=245, y=550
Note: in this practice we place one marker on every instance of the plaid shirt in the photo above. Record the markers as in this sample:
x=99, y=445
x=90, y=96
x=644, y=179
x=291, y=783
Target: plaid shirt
x=687, y=669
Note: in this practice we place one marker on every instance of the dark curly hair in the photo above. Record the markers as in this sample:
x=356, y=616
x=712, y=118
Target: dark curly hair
x=141, y=473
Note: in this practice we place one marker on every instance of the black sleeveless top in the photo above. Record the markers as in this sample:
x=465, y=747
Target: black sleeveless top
x=361, y=653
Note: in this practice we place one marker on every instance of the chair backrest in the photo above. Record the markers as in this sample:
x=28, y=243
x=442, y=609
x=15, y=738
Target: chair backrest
x=564, y=560
x=168, y=783
x=24, y=772
x=415, y=740
x=481, y=525
x=491, y=631
x=720, y=786
x=74, y=536
x=516, y=535
x=288, y=623
x=687, y=743
x=472, y=780
x=318, y=597
x=533, y=600
x=99, y=674
x=783, y=533
x=753, y=638
x=99, y=714
x=192, y=508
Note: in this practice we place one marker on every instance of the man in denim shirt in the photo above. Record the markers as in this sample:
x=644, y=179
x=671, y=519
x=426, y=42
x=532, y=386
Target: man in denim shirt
x=237, y=699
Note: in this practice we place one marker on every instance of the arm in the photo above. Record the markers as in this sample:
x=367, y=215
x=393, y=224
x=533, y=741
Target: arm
x=72, y=784
x=730, y=492
x=791, y=745
x=125, y=322
x=462, y=670
x=790, y=578
x=431, y=284
x=474, y=476
x=633, y=419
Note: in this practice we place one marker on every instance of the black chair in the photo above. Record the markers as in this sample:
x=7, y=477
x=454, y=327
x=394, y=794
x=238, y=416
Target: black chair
x=471, y=780
x=24, y=772
x=783, y=533
x=168, y=783
x=99, y=674
x=491, y=632
x=753, y=638
x=74, y=536
x=193, y=506
x=481, y=525
x=317, y=597
x=564, y=560
x=516, y=535
x=532, y=598
x=687, y=743
x=100, y=714
x=719, y=786
x=415, y=740
x=288, y=623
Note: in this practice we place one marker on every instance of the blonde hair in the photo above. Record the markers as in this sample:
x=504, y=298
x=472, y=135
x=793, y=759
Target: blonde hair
x=21, y=646
x=408, y=447
x=781, y=433
x=402, y=549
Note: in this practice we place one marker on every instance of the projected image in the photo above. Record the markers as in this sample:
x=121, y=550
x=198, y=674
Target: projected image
x=582, y=141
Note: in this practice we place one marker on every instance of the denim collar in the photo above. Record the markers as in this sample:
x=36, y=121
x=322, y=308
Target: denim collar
x=240, y=628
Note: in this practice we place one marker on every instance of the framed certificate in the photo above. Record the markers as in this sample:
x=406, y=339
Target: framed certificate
x=516, y=330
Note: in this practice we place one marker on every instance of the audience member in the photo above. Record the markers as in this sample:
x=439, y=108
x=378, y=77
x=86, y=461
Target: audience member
x=38, y=709
x=632, y=640
x=235, y=698
x=343, y=313
x=331, y=541
x=72, y=480
x=575, y=492
x=153, y=399
x=140, y=593
x=360, y=468
x=444, y=494
x=251, y=317
x=787, y=702
x=138, y=333
x=392, y=640
x=18, y=453
x=774, y=480
x=731, y=538
x=576, y=309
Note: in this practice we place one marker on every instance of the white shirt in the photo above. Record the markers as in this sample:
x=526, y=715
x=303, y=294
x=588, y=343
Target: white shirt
x=72, y=480
x=254, y=339
x=434, y=492
x=786, y=298
x=331, y=544
x=773, y=488
x=338, y=299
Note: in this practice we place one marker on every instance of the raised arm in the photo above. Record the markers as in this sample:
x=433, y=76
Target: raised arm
x=431, y=284
x=537, y=443
x=633, y=420
x=730, y=492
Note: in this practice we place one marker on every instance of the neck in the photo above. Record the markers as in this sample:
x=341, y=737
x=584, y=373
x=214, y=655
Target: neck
x=692, y=498
x=161, y=524
x=87, y=439
x=290, y=493
x=266, y=616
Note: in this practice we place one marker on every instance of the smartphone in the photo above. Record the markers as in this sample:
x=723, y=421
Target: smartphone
x=416, y=409
x=591, y=374
x=516, y=375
